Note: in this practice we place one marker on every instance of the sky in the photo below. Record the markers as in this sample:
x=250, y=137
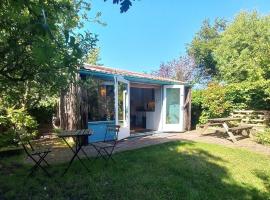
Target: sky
x=156, y=31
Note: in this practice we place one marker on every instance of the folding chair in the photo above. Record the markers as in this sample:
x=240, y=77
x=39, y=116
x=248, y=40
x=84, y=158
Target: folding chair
x=38, y=156
x=105, y=149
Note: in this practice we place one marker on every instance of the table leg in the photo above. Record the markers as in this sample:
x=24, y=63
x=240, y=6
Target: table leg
x=70, y=162
x=85, y=154
x=80, y=145
x=78, y=148
x=69, y=145
x=205, y=128
x=231, y=136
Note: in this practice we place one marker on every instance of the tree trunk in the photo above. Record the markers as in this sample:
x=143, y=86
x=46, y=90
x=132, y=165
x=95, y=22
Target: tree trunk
x=84, y=107
x=73, y=107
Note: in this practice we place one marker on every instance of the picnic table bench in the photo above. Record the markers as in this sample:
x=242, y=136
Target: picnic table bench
x=231, y=131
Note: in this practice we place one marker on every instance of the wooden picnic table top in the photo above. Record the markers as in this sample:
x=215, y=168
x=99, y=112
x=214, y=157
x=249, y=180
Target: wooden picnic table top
x=221, y=120
x=75, y=133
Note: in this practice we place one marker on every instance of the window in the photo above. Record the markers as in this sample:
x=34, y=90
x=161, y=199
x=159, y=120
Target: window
x=101, y=100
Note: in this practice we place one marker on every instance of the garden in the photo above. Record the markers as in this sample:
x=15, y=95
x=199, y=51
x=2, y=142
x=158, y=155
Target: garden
x=43, y=45
x=176, y=170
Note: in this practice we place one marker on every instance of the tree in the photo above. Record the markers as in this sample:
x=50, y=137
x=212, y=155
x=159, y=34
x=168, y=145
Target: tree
x=244, y=48
x=93, y=57
x=182, y=68
x=40, y=47
x=203, y=45
x=240, y=57
x=124, y=4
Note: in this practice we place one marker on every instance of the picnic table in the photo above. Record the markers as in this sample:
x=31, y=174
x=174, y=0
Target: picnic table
x=225, y=123
x=80, y=138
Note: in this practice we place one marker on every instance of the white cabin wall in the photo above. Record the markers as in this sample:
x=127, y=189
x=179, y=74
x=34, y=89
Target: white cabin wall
x=160, y=126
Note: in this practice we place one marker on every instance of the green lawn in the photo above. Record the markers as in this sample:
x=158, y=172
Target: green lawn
x=177, y=170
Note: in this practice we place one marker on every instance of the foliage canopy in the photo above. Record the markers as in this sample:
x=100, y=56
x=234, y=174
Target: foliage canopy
x=42, y=47
x=237, y=58
x=244, y=48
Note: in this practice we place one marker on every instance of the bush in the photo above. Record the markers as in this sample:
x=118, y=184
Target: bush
x=196, y=107
x=15, y=122
x=7, y=138
x=263, y=137
x=211, y=102
x=251, y=95
x=44, y=110
x=42, y=114
x=218, y=100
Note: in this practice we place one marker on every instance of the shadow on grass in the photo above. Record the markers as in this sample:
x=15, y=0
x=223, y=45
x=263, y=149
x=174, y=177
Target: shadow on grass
x=264, y=178
x=176, y=170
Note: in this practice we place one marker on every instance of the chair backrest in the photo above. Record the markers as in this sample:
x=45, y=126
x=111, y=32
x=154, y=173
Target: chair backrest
x=112, y=130
x=27, y=146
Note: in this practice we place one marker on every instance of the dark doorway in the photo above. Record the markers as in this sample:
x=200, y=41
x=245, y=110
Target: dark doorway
x=142, y=100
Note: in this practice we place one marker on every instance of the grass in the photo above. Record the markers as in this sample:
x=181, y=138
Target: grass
x=177, y=170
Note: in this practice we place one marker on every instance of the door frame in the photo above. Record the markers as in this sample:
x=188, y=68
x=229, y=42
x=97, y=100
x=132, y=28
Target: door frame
x=124, y=131
x=173, y=127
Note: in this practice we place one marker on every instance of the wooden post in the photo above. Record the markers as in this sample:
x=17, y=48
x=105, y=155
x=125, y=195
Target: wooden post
x=187, y=109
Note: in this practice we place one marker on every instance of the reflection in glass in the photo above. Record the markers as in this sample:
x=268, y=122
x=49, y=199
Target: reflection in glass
x=100, y=99
x=122, y=103
x=172, y=105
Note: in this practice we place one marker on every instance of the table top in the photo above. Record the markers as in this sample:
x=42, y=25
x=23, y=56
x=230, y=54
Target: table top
x=223, y=119
x=74, y=133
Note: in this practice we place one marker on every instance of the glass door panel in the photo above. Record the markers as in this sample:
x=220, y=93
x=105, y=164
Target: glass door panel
x=172, y=105
x=122, y=104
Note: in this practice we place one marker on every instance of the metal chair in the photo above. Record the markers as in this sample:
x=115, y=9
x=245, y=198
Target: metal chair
x=106, y=147
x=32, y=153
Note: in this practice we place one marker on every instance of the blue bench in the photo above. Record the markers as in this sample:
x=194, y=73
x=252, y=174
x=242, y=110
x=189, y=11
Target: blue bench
x=99, y=130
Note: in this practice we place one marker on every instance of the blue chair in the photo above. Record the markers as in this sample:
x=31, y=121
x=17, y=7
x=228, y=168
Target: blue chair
x=106, y=148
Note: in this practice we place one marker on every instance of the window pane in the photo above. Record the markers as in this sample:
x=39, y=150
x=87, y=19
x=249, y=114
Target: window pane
x=100, y=100
x=172, y=105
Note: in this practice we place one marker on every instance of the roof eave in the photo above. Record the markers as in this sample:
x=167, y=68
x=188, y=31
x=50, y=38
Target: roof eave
x=130, y=77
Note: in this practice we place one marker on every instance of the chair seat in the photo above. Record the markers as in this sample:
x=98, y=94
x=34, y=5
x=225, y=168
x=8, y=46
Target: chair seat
x=103, y=144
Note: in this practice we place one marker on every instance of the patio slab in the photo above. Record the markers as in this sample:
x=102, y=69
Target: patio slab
x=61, y=153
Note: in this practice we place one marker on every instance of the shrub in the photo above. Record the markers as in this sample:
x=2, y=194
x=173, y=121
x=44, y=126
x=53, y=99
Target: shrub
x=15, y=121
x=211, y=102
x=196, y=107
x=218, y=100
x=250, y=95
x=215, y=102
x=263, y=137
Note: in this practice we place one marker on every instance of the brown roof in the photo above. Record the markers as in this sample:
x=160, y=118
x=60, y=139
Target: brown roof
x=108, y=70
